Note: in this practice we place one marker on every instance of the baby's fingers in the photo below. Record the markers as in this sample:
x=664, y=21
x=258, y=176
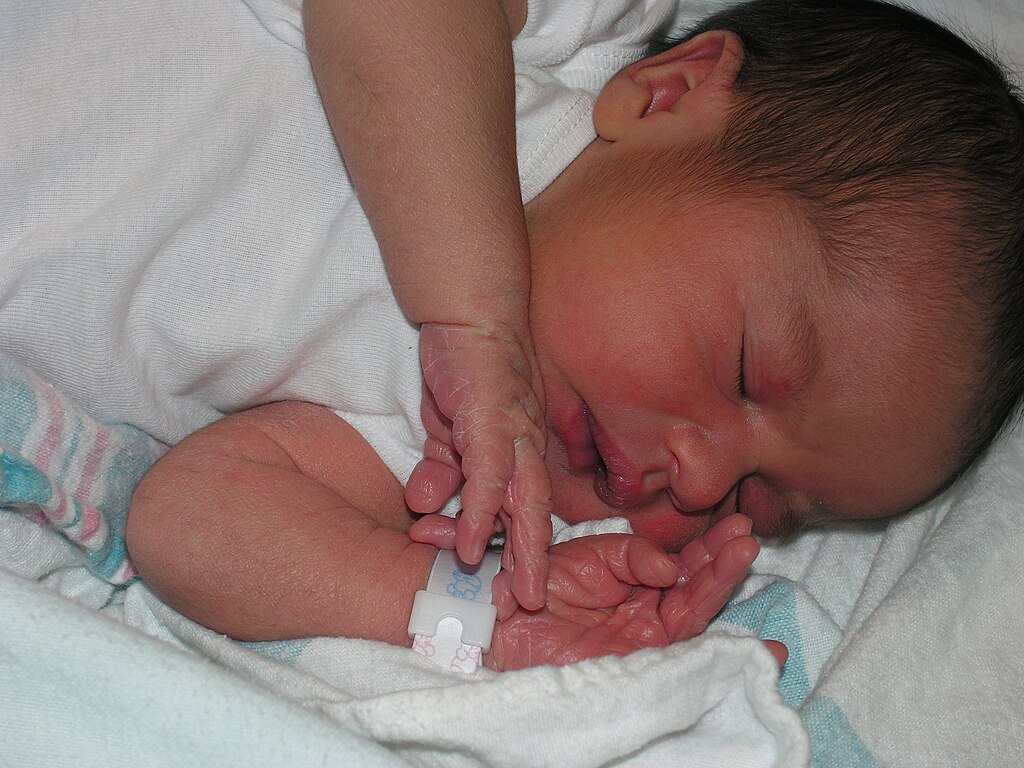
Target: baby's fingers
x=488, y=462
x=778, y=650
x=705, y=548
x=438, y=475
x=501, y=595
x=639, y=562
x=437, y=530
x=431, y=484
x=528, y=510
x=689, y=608
x=600, y=571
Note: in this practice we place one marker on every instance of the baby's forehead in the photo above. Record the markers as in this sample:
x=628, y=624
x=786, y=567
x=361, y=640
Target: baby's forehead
x=911, y=345
x=886, y=312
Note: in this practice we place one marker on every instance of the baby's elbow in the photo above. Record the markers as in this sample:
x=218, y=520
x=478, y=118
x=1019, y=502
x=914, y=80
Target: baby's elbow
x=163, y=530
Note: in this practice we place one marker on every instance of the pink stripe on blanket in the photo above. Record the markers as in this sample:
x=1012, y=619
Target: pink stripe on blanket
x=54, y=430
x=90, y=524
x=39, y=518
x=92, y=463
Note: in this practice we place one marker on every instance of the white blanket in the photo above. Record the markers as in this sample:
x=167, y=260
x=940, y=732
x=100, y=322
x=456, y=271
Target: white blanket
x=905, y=638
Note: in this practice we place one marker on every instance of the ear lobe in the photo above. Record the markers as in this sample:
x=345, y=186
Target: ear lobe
x=687, y=82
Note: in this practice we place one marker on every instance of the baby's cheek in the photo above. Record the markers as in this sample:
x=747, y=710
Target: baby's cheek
x=574, y=498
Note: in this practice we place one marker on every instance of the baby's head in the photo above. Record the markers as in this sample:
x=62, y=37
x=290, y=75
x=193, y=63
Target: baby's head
x=787, y=276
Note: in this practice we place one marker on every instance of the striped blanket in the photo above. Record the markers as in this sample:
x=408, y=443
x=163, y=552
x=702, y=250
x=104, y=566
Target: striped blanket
x=62, y=469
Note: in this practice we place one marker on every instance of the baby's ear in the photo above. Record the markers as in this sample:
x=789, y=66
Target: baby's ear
x=684, y=89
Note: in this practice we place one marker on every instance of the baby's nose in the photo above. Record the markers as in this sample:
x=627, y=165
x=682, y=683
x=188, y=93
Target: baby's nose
x=703, y=468
x=687, y=499
x=654, y=481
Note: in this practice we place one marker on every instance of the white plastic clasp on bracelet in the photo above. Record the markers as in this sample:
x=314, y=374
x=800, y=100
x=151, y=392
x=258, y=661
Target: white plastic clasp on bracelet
x=453, y=619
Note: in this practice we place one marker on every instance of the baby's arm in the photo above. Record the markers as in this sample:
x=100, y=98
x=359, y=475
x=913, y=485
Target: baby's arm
x=276, y=523
x=420, y=96
x=614, y=594
x=282, y=522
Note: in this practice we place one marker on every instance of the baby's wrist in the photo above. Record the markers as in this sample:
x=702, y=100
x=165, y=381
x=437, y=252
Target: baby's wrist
x=453, y=618
x=498, y=326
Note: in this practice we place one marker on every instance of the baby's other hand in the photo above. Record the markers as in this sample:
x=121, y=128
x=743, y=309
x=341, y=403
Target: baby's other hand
x=484, y=414
x=615, y=594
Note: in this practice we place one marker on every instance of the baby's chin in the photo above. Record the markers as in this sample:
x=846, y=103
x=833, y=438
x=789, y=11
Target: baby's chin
x=671, y=529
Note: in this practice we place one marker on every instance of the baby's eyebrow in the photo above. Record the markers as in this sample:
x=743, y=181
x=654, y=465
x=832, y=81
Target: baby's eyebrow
x=799, y=352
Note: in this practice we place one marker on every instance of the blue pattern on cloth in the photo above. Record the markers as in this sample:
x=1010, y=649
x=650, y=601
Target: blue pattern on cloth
x=833, y=738
x=63, y=469
x=772, y=613
x=284, y=651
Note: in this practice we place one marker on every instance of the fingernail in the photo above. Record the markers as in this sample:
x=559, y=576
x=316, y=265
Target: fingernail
x=667, y=573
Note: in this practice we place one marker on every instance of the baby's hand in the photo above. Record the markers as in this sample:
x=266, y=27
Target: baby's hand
x=614, y=594
x=483, y=411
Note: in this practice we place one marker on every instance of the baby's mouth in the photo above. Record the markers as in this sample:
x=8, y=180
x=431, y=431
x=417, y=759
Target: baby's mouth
x=591, y=451
x=617, y=482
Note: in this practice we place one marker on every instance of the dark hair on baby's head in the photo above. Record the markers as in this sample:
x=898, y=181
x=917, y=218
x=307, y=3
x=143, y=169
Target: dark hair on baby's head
x=863, y=113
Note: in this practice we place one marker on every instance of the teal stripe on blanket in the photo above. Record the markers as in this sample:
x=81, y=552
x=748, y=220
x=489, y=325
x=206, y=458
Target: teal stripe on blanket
x=771, y=615
x=21, y=483
x=285, y=651
x=120, y=454
x=108, y=560
x=833, y=739
x=25, y=488
x=18, y=411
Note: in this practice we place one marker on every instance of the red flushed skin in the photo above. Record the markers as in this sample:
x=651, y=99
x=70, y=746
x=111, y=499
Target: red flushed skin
x=594, y=480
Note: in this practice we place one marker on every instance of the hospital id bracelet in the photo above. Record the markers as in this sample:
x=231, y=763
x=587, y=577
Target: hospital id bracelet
x=453, y=619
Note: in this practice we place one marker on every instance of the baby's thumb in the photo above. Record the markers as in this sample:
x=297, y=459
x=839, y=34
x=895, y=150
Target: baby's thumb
x=634, y=560
x=430, y=485
x=437, y=530
x=651, y=566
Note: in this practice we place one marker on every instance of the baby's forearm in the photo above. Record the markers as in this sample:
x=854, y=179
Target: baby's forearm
x=421, y=99
x=248, y=528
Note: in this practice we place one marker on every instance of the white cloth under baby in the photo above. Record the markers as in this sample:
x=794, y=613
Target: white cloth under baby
x=178, y=236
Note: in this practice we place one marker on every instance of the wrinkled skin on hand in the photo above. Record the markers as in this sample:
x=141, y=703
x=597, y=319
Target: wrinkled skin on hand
x=483, y=410
x=615, y=594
